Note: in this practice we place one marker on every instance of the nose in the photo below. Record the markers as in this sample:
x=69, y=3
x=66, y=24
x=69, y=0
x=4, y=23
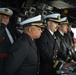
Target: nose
x=57, y=25
x=41, y=31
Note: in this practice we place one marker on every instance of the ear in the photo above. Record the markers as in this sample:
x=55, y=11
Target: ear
x=30, y=29
x=49, y=22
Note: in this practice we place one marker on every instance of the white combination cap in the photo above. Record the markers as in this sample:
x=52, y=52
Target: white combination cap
x=6, y=11
x=53, y=17
x=34, y=21
x=64, y=20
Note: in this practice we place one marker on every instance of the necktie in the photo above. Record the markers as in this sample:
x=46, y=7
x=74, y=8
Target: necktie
x=9, y=35
x=54, y=36
x=33, y=42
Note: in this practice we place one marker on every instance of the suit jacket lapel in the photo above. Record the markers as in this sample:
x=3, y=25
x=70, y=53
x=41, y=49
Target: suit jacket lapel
x=50, y=36
x=32, y=43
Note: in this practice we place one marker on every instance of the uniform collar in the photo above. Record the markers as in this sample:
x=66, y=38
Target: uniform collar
x=51, y=32
x=61, y=33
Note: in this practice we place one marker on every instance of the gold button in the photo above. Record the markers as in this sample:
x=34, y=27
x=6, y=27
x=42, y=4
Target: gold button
x=54, y=61
x=56, y=56
x=56, y=50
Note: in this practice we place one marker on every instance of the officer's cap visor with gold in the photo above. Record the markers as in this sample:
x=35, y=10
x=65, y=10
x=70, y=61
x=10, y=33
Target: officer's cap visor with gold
x=34, y=21
x=64, y=20
x=6, y=12
x=55, y=17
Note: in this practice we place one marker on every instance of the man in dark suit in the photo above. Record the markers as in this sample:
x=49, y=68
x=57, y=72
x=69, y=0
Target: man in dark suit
x=6, y=38
x=47, y=46
x=61, y=38
x=65, y=50
x=70, y=35
x=22, y=59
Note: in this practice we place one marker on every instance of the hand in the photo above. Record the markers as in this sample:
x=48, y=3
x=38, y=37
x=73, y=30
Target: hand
x=67, y=65
x=74, y=62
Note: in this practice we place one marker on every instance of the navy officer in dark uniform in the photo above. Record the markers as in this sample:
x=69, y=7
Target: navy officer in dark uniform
x=22, y=59
x=47, y=46
x=65, y=51
x=61, y=38
x=6, y=38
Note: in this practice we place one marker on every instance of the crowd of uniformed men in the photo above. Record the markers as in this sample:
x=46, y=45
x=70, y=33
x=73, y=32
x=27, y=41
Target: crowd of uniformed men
x=44, y=45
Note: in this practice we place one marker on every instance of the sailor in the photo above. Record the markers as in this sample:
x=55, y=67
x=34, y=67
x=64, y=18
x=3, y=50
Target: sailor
x=47, y=45
x=6, y=37
x=22, y=59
